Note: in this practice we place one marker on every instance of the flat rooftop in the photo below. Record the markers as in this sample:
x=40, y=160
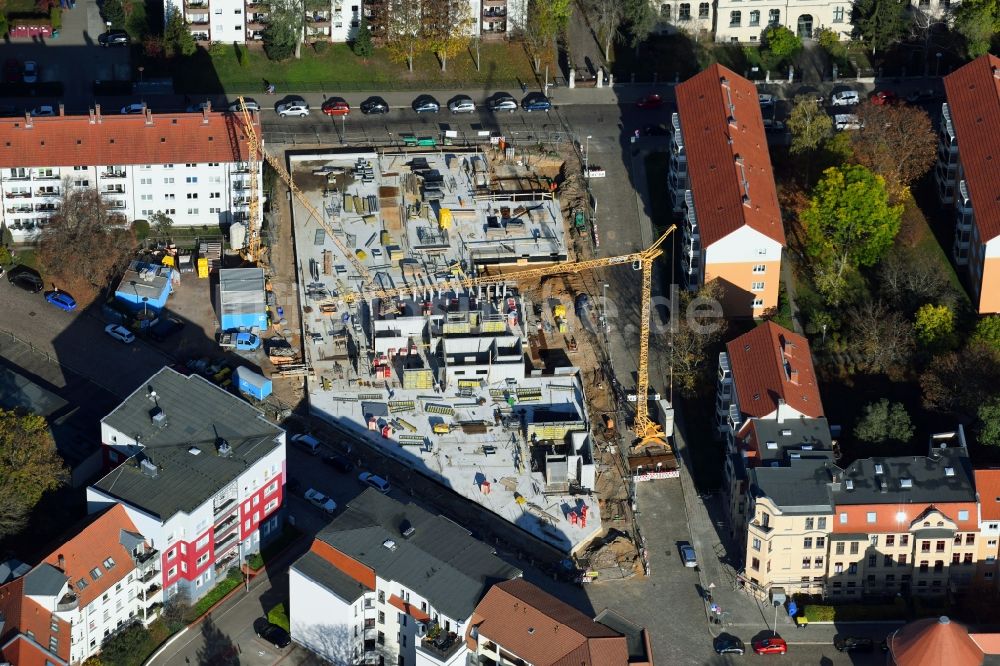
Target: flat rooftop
x=196, y=416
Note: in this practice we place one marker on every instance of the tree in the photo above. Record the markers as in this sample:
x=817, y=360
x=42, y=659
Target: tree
x=935, y=326
x=639, y=21
x=121, y=648
x=960, y=381
x=988, y=332
x=608, y=16
x=162, y=223
x=881, y=23
x=848, y=224
x=883, y=421
x=907, y=278
x=114, y=11
x=691, y=338
x=447, y=26
x=283, y=35
x=403, y=36
x=363, y=46
x=809, y=124
x=882, y=338
x=177, y=38
x=29, y=468
x=989, y=422
x=977, y=21
x=778, y=46
x=897, y=142
x=83, y=246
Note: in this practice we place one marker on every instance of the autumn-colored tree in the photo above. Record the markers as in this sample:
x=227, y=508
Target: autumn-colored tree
x=29, y=468
x=935, y=326
x=896, y=142
x=692, y=334
x=84, y=245
x=882, y=338
x=403, y=34
x=446, y=26
x=960, y=381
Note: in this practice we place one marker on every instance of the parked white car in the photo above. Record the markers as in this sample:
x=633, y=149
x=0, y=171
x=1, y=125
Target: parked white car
x=120, y=333
x=462, y=104
x=133, y=109
x=376, y=482
x=845, y=98
x=299, y=109
x=765, y=99
x=320, y=500
x=251, y=105
x=846, y=121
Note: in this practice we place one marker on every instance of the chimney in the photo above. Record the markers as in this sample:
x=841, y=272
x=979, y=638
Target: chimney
x=204, y=113
x=62, y=109
x=779, y=412
x=27, y=119
x=93, y=117
x=62, y=562
x=147, y=114
x=996, y=72
x=97, y=112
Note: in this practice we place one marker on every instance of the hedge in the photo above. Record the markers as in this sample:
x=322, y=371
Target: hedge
x=232, y=580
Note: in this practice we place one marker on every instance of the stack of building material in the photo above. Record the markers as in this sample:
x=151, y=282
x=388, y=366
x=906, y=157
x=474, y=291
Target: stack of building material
x=212, y=252
x=388, y=202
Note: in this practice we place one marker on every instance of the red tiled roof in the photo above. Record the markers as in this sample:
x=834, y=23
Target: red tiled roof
x=988, y=487
x=757, y=362
x=716, y=177
x=60, y=141
x=20, y=651
x=90, y=548
x=974, y=101
x=409, y=609
x=988, y=643
x=932, y=642
x=22, y=615
x=543, y=630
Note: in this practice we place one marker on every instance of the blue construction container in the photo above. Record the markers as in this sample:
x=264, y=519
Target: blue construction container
x=242, y=299
x=145, y=287
x=252, y=383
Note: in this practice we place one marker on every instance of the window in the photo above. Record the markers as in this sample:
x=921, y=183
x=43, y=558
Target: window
x=955, y=558
x=95, y=573
x=172, y=572
x=774, y=17
x=755, y=21
x=381, y=617
x=758, y=303
x=970, y=539
x=871, y=560
x=54, y=626
x=807, y=543
x=843, y=517
x=755, y=564
x=201, y=560
x=191, y=179
x=192, y=211
x=755, y=544
x=665, y=12
x=963, y=514
x=809, y=521
x=887, y=561
x=938, y=566
x=838, y=14
x=939, y=547
x=840, y=548
x=838, y=568
x=53, y=644
x=854, y=548
x=967, y=558
x=821, y=523
x=871, y=517
x=902, y=560
x=806, y=562
x=192, y=195
x=703, y=10
x=821, y=542
x=108, y=563
x=890, y=540
x=145, y=181
x=853, y=568
x=757, y=286
x=735, y=18
x=684, y=11
x=904, y=540
x=168, y=181
x=818, y=562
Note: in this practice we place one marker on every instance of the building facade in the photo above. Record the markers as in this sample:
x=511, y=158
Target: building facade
x=98, y=582
x=964, y=175
x=722, y=185
x=244, y=21
x=390, y=583
x=880, y=526
x=694, y=18
x=190, y=166
x=200, y=473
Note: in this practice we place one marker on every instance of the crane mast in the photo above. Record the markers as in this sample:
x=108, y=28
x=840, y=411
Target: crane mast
x=251, y=250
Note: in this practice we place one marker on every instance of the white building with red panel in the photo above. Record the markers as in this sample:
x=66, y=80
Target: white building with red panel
x=200, y=472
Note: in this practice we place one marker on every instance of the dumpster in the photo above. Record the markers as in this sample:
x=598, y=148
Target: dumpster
x=409, y=140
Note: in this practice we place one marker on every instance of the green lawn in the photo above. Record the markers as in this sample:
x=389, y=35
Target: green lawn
x=337, y=69
x=232, y=580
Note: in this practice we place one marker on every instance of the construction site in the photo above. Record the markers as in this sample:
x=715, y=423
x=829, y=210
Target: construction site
x=447, y=321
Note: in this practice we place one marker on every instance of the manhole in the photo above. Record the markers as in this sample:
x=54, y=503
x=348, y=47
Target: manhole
x=31, y=314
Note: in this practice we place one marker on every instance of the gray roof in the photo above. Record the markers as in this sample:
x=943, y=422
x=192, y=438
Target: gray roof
x=943, y=476
x=196, y=414
x=11, y=569
x=44, y=581
x=633, y=633
x=802, y=437
x=241, y=291
x=441, y=561
x=157, y=281
x=803, y=486
x=315, y=568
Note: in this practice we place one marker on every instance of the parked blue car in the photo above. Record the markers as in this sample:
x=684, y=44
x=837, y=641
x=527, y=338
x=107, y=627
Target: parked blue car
x=536, y=102
x=61, y=300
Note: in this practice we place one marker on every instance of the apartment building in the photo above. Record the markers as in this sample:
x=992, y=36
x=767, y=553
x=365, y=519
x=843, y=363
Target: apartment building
x=519, y=623
x=99, y=581
x=722, y=184
x=988, y=496
x=199, y=471
x=244, y=21
x=191, y=166
x=491, y=19
x=388, y=582
x=967, y=143
x=739, y=22
x=880, y=526
x=694, y=18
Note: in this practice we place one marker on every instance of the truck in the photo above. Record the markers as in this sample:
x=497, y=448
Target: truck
x=241, y=341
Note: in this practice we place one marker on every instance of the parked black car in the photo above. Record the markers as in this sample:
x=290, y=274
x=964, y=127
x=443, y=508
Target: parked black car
x=26, y=278
x=374, y=104
x=339, y=463
x=728, y=644
x=113, y=38
x=853, y=644
x=271, y=633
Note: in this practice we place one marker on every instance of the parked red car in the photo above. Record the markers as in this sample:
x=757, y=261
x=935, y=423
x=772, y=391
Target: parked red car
x=336, y=106
x=651, y=101
x=775, y=645
x=883, y=97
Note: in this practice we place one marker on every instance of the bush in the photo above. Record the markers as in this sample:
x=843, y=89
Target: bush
x=218, y=50
x=818, y=613
x=321, y=47
x=232, y=580
x=241, y=55
x=279, y=616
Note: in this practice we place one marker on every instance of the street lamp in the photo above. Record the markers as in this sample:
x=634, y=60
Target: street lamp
x=108, y=23
x=141, y=70
x=937, y=65
x=586, y=157
x=145, y=299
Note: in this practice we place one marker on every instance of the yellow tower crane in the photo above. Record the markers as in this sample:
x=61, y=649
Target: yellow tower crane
x=251, y=249
x=646, y=430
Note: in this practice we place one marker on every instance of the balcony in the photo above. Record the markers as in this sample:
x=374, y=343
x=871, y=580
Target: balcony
x=443, y=646
x=196, y=4
x=225, y=526
x=46, y=192
x=226, y=544
x=68, y=602
x=494, y=12
x=152, y=589
x=24, y=208
x=196, y=19
x=19, y=195
x=223, y=505
x=319, y=19
x=148, y=576
x=45, y=175
x=198, y=35
x=19, y=176
x=256, y=21
x=113, y=189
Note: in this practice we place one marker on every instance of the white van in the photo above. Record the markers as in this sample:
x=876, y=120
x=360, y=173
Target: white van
x=308, y=442
x=846, y=121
